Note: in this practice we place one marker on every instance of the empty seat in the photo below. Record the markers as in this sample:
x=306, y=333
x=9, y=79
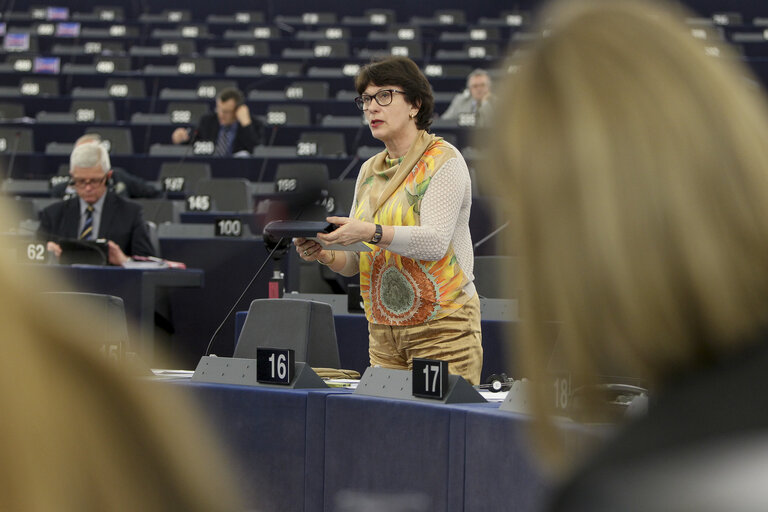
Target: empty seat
x=161, y=211
x=126, y=88
x=307, y=91
x=343, y=121
x=16, y=140
x=186, y=112
x=11, y=111
x=173, y=230
x=118, y=140
x=101, y=111
x=326, y=143
x=195, y=66
x=302, y=325
x=39, y=86
x=227, y=194
x=289, y=115
x=190, y=173
x=112, y=64
x=411, y=49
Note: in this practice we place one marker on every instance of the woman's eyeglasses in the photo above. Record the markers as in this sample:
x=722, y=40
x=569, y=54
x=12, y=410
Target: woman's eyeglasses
x=383, y=98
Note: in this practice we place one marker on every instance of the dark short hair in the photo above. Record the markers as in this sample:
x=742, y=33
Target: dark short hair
x=230, y=93
x=404, y=73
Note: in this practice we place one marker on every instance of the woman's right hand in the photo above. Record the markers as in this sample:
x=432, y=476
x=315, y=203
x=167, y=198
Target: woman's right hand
x=309, y=250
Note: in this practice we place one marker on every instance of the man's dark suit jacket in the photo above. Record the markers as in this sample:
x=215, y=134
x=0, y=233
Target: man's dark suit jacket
x=246, y=137
x=121, y=222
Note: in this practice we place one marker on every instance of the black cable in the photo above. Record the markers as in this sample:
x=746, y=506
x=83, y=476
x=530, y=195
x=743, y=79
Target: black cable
x=266, y=158
x=269, y=256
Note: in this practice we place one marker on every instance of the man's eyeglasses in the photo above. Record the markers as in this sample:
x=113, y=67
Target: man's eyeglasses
x=82, y=183
x=383, y=98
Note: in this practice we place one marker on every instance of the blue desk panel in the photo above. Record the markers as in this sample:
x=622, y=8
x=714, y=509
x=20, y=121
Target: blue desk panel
x=384, y=446
x=275, y=438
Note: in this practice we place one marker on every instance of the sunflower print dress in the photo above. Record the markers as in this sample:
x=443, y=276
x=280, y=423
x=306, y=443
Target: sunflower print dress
x=397, y=290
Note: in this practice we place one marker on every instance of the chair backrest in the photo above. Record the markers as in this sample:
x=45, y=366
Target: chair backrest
x=186, y=112
x=195, y=66
x=282, y=114
x=93, y=110
x=173, y=230
x=126, y=88
x=301, y=185
x=307, y=91
x=302, y=325
x=341, y=192
x=210, y=88
x=39, y=86
x=118, y=140
x=18, y=140
x=160, y=211
x=327, y=143
x=112, y=63
x=11, y=110
x=114, y=341
x=192, y=172
x=228, y=194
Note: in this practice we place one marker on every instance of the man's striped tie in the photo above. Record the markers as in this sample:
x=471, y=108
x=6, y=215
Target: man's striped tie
x=87, y=232
x=222, y=143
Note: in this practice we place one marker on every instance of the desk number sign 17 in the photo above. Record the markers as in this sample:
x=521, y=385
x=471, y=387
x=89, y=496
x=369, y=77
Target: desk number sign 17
x=430, y=378
x=275, y=366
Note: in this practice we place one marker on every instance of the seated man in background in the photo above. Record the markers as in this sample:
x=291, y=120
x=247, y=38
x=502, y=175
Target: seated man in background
x=475, y=99
x=231, y=128
x=96, y=212
x=125, y=183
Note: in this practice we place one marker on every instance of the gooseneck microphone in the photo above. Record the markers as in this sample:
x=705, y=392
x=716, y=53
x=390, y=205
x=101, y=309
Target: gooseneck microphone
x=14, y=149
x=247, y=287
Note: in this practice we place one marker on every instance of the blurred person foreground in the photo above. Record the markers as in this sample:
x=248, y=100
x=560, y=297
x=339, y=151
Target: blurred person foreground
x=637, y=171
x=79, y=435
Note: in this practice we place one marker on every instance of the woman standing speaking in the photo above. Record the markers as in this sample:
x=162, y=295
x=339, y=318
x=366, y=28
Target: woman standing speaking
x=411, y=205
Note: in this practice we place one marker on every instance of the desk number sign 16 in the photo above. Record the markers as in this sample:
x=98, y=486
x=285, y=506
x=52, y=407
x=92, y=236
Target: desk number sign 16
x=430, y=378
x=275, y=366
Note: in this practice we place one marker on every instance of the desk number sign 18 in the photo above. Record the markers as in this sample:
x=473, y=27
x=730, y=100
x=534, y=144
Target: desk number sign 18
x=430, y=378
x=275, y=366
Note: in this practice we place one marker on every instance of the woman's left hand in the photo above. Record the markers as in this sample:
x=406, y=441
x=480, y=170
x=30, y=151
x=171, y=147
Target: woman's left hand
x=350, y=231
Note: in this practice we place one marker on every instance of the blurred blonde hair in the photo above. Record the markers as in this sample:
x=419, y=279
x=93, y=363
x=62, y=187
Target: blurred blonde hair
x=76, y=435
x=637, y=169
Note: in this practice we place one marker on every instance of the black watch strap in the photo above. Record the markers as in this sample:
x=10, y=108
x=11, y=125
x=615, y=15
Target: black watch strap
x=377, y=235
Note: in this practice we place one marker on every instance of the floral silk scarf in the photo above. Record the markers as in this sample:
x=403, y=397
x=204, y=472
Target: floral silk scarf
x=397, y=290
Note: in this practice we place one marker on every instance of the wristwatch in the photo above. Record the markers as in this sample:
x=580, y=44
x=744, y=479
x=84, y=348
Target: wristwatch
x=377, y=235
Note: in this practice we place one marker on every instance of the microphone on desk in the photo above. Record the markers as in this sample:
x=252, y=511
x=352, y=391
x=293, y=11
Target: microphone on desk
x=152, y=105
x=265, y=160
x=12, y=158
x=247, y=287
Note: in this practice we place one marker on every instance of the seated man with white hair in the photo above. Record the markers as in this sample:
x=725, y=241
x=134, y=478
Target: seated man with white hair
x=96, y=212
